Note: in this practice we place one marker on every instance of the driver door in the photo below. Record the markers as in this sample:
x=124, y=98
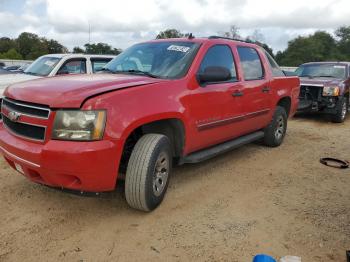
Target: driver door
x=216, y=108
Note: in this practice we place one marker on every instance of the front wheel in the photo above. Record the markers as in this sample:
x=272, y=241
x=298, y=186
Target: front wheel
x=342, y=110
x=276, y=130
x=148, y=172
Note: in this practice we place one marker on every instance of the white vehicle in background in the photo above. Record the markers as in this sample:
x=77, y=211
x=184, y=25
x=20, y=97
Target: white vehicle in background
x=57, y=64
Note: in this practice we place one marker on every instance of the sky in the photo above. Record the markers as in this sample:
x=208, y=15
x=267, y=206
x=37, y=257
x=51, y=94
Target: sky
x=122, y=23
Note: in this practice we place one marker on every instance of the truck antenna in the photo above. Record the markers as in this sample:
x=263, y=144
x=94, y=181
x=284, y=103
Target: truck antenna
x=89, y=32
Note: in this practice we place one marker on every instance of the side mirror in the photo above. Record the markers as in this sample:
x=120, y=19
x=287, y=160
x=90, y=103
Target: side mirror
x=214, y=74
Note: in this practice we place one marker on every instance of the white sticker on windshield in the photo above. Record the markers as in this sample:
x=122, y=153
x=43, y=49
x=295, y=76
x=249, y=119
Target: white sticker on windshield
x=49, y=63
x=178, y=48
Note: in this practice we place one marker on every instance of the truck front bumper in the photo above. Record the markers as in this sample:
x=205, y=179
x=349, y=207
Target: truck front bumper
x=83, y=166
x=324, y=105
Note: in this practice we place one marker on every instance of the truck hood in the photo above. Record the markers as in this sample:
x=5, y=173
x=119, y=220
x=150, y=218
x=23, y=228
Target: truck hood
x=320, y=81
x=8, y=79
x=72, y=91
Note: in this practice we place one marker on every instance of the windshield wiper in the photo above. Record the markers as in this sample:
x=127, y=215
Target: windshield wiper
x=325, y=76
x=137, y=72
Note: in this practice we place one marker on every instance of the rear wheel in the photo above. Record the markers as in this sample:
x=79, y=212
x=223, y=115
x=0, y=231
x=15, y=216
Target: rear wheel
x=276, y=130
x=148, y=172
x=342, y=110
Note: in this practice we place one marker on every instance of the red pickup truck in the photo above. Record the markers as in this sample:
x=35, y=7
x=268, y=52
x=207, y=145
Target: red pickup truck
x=157, y=104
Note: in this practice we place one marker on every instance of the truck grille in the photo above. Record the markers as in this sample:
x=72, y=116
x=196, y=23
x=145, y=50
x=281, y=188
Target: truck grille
x=27, y=109
x=313, y=93
x=29, y=120
x=29, y=131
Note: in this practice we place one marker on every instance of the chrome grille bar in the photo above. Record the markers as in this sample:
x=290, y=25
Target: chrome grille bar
x=25, y=129
x=26, y=109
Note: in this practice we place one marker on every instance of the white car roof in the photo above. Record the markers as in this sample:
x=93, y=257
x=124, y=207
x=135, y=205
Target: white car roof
x=78, y=56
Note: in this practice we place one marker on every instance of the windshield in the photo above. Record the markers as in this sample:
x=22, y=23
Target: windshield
x=162, y=59
x=322, y=70
x=42, y=66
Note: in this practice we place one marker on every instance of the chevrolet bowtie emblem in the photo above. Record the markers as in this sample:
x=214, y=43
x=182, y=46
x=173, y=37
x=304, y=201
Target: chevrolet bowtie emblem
x=14, y=116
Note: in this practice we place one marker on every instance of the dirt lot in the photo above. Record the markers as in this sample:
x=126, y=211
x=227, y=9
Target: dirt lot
x=278, y=201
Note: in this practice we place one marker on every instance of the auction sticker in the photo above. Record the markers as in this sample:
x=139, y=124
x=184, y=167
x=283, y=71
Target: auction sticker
x=19, y=168
x=178, y=48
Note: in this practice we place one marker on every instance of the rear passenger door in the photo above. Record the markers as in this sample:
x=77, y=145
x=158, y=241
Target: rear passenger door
x=256, y=91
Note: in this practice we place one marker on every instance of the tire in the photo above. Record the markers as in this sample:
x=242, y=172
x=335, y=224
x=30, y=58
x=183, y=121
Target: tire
x=276, y=130
x=342, y=111
x=148, y=172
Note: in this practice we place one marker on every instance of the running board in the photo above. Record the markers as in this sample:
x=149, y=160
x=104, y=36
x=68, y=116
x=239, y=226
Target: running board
x=208, y=153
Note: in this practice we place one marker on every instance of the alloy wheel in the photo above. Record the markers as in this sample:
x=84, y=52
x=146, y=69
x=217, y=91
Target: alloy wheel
x=161, y=173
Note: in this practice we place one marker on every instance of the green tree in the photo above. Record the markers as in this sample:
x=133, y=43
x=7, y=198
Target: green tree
x=170, y=33
x=78, y=50
x=55, y=47
x=30, y=46
x=6, y=44
x=11, y=54
x=320, y=46
x=100, y=48
x=343, y=35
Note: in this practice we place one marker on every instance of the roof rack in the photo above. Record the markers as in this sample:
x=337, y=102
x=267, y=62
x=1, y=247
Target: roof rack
x=227, y=38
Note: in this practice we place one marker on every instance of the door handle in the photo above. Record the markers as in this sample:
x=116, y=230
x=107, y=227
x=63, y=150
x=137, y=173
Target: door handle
x=237, y=93
x=265, y=89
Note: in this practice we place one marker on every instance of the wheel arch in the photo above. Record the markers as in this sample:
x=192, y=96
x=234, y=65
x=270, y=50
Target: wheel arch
x=171, y=126
x=286, y=103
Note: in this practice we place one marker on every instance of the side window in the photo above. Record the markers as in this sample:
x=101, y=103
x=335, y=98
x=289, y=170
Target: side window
x=97, y=64
x=275, y=69
x=251, y=63
x=74, y=66
x=219, y=55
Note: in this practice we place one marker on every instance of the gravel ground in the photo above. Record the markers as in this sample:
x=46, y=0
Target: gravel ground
x=278, y=201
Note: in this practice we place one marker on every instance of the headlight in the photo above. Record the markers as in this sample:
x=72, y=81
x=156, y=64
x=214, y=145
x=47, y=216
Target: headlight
x=331, y=91
x=79, y=125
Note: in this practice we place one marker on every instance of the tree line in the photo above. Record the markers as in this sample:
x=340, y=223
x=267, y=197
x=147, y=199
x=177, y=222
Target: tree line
x=99, y=48
x=319, y=46
x=30, y=46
